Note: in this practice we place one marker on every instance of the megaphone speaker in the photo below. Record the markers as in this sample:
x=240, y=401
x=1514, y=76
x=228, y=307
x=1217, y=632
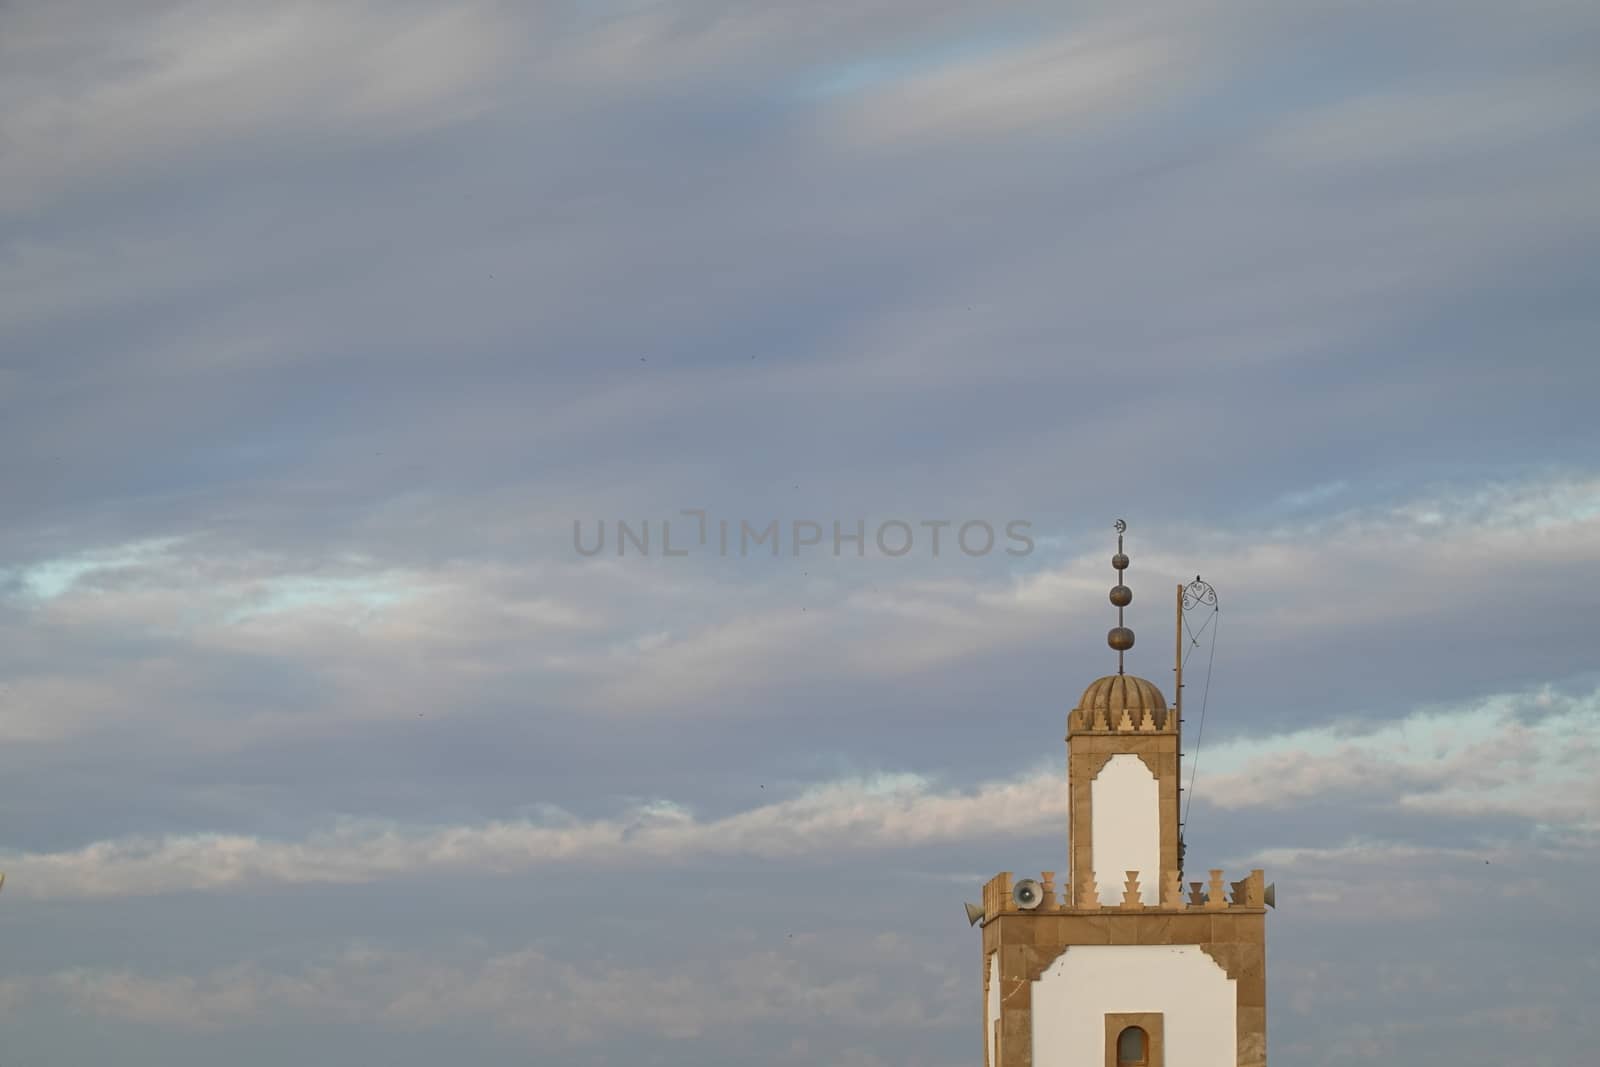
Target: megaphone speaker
x=1270, y=895
x=974, y=914
x=1027, y=894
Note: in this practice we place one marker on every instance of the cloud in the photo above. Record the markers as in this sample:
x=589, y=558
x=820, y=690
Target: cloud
x=1317, y=494
x=525, y=993
x=1480, y=119
x=369, y=637
x=1531, y=755
x=1297, y=581
x=52, y=578
x=1086, y=76
x=1449, y=763
x=887, y=812
x=186, y=82
x=1384, y=881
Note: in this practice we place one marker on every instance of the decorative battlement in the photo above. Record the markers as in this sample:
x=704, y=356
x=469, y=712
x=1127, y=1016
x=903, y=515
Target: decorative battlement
x=1102, y=720
x=1248, y=894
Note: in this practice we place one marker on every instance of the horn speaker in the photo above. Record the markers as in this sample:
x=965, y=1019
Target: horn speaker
x=1270, y=895
x=1027, y=894
x=974, y=914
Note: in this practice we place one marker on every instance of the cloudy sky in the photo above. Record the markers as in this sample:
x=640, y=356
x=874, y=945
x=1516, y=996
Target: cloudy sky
x=322, y=324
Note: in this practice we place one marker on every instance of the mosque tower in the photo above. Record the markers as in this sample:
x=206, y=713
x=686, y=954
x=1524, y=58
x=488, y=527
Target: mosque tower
x=1119, y=965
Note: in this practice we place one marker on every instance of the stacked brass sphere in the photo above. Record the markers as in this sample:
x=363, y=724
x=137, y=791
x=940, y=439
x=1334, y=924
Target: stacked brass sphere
x=1120, y=637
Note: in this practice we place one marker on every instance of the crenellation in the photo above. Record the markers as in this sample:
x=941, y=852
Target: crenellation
x=1131, y=900
x=1256, y=889
x=1047, y=883
x=1215, y=899
x=1100, y=721
x=1242, y=901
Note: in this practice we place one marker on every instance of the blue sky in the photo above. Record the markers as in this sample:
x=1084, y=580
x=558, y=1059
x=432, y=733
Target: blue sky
x=321, y=324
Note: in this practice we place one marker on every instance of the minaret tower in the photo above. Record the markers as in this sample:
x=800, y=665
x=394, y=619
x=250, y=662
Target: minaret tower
x=1122, y=774
x=1120, y=966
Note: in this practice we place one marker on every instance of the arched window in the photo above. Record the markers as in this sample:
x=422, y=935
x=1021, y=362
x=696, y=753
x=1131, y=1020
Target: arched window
x=1133, y=1048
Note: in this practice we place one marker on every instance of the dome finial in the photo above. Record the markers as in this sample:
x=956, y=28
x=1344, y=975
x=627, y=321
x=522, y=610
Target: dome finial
x=1120, y=637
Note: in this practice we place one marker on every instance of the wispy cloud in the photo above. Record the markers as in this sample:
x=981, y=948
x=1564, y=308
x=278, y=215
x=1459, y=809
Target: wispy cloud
x=1084, y=77
x=184, y=85
x=1530, y=757
x=891, y=812
x=390, y=638
x=526, y=993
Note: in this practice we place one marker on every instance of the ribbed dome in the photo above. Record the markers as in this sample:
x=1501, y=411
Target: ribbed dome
x=1115, y=692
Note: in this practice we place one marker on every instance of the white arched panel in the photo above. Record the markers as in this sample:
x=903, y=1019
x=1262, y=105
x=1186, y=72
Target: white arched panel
x=1126, y=829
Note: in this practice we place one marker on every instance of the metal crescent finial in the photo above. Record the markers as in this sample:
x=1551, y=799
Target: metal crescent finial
x=1121, y=525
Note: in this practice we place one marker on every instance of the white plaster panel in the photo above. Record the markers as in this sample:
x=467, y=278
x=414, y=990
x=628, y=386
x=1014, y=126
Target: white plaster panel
x=1126, y=829
x=1197, y=1000
x=994, y=1004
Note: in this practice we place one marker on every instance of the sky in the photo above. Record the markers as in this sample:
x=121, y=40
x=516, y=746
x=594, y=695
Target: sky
x=336, y=336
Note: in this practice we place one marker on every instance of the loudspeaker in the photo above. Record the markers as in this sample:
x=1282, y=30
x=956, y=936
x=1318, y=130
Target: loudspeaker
x=1027, y=894
x=974, y=914
x=1270, y=895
